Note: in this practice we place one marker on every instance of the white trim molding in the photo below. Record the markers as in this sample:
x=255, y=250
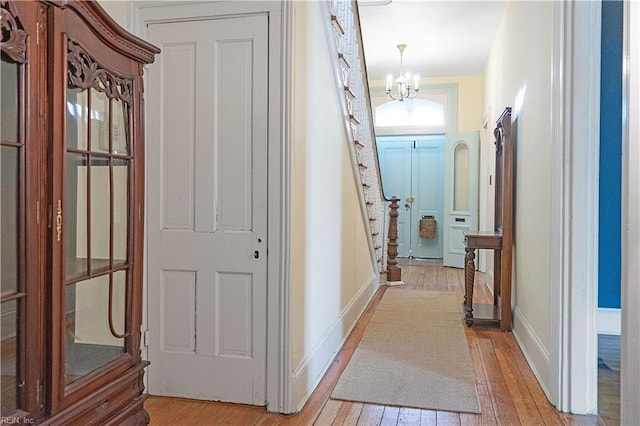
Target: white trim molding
x=278, y=281
x=141, y=14
x=574, y=210
x=630, y=342
x=609, y=321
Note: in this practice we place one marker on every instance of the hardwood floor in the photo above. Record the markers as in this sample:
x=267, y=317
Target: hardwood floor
x=609, y=379
x=509, y=393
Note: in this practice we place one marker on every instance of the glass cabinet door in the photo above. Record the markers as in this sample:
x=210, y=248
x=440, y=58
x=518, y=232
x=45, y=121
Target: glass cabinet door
x=20, y=338
x=12, y=294
x=97, y=191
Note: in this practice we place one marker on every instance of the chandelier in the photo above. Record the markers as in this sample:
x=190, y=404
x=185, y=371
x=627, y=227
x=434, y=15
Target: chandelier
x=404, y=90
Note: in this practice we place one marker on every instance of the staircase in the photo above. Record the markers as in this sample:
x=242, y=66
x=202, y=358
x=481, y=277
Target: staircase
x=345, y=42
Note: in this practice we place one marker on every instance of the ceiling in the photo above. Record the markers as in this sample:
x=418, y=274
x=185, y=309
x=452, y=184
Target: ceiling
x=443, y=37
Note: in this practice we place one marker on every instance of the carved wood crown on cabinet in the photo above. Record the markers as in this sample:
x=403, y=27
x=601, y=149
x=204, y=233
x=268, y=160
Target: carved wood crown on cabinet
x=72, y=179
x=84, y=72
x=13, y=40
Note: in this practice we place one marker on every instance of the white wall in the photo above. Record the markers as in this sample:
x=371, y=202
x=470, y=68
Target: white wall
x=518, y=74
x=117, y=9
x=332, y=274
x=470, y=96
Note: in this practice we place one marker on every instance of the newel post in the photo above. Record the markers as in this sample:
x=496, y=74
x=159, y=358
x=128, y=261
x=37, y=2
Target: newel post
x=394, y=273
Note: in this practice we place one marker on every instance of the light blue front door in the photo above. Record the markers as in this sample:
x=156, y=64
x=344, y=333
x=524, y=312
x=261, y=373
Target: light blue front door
x=395, y=165
x=412, y=169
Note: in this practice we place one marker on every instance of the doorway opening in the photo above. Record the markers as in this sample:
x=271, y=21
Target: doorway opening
x=436, y=178
x=610, y=212
x=412, y=168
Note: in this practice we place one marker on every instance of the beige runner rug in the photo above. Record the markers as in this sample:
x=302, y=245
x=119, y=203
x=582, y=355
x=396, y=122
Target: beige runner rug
x=413, y=353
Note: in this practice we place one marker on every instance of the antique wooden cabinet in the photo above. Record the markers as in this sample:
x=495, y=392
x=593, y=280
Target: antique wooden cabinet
x=71, y=216
x=500, y=240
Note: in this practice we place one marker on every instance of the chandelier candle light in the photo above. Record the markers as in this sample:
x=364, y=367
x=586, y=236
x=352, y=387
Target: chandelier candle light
x=403, y=82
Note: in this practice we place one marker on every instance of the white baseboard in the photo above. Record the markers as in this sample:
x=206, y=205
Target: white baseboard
x=609, y=320
x=311, y=370
x=536, y=354
x=489, y=288
x=489, y=280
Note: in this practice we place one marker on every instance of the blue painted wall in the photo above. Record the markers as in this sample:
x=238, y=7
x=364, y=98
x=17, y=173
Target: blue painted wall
x=610, y=155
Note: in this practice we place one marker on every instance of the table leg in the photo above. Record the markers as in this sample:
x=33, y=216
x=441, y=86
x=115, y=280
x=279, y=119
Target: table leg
x=470, y=270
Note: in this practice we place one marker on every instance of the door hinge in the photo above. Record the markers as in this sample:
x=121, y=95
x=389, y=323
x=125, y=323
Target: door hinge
x=145, y=338
x=38, y=212
x=414, y=144
x=39, y=29
x=40, y=394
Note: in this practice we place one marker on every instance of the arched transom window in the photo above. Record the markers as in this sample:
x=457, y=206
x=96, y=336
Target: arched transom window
x=410, y=113
x=435, y=110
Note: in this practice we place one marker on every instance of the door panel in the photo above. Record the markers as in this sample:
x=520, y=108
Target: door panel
x=395, y=165
x=178, y=64
x=178, y=311
x=428, y=188
x=207, y=216
x=462, y=155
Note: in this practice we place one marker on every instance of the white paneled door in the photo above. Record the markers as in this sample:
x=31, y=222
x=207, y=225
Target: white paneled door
x=207, y=209
x=462, y=156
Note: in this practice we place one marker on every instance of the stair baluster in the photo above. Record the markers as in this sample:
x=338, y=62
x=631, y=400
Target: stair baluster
x=345, y=39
